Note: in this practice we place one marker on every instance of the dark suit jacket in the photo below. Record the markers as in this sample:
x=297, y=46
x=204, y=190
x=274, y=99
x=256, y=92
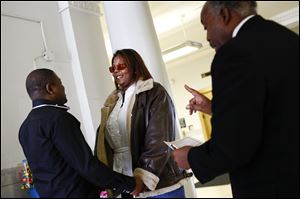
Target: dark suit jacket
x=255, y=123
x=61, y=161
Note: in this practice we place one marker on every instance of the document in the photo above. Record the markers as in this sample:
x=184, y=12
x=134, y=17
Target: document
x=187, y=141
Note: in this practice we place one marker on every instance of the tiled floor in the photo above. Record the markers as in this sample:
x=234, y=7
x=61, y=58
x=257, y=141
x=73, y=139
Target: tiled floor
x=217, y=188
x=220, y=191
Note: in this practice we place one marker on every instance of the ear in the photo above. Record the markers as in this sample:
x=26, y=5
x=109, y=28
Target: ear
x=49, y=88
x=226, y=15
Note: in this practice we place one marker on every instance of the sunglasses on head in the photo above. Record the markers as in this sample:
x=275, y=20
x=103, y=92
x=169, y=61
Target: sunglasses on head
x=117, y=67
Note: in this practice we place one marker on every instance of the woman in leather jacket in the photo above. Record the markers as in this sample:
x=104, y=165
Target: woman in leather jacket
x=136, y=119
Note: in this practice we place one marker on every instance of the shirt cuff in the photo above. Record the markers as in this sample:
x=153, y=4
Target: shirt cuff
x=148, y=178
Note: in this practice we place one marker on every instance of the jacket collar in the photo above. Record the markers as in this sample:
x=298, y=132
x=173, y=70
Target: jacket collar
x=141, y=86
x=41, y=101
x=240, y=25
x=251, y=23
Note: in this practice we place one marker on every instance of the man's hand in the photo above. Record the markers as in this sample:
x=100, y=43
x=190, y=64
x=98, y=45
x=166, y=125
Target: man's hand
x=199, y=102
x=139, y=187
x=181, y=157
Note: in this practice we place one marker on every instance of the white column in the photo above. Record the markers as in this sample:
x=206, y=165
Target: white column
x=130, y=25
x=89, y=60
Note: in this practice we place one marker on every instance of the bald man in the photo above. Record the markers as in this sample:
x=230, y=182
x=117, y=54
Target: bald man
x=61, y=161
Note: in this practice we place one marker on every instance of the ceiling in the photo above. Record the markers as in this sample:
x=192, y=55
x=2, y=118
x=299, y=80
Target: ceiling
x=176, y=21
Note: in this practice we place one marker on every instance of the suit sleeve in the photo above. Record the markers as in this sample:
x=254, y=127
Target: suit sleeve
x=70, y=142
x=237, y=105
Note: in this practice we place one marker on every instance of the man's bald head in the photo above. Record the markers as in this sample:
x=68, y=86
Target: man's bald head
x=37, y=80
x=45, y=84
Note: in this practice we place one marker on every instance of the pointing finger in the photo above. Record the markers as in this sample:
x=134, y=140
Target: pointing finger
x=191, y=90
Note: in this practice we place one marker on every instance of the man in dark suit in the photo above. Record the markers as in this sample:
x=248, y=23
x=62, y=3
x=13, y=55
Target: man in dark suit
x=61, y=161
x=255, y=105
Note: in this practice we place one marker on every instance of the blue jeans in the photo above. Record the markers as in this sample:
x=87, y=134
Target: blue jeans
x=178, y=193
x=33, y=193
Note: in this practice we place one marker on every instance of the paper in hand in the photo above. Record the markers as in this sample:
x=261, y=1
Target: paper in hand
x=187, y=141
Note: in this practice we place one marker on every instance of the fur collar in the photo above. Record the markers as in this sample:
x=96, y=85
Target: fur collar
x=141, y=86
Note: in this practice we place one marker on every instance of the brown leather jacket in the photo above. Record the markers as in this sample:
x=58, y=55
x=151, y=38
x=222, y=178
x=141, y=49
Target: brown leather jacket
x=152, y=123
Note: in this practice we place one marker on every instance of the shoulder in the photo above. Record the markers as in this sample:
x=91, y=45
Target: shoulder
x=156, y=88
x=47, y=118
x=151, y=89
x=53, y=114
x=159, y=94
x=159, y=88
x=67, y=117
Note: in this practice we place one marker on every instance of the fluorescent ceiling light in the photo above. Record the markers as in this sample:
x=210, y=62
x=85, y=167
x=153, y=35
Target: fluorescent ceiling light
x=181, y=50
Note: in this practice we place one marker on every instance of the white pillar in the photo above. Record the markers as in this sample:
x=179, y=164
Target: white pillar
x=81, y=22
x=130, y=25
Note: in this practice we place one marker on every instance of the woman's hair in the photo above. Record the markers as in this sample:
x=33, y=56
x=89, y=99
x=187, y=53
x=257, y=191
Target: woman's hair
x=135, y=64
x=244, y=8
